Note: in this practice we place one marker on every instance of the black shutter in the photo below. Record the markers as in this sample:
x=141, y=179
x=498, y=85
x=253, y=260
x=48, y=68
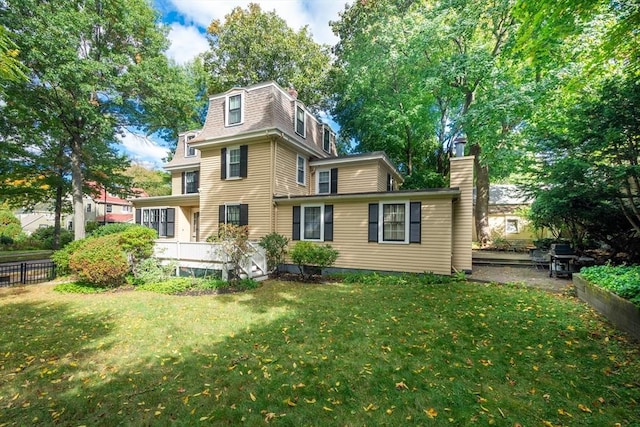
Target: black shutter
x=223, y=163
x=221, y=214
x=295, y=233
x=171, y=222
x=244, y=214
x=138, y=216
x=328, y=223
x=196, y=178
x=184, y=183
x=334, y=180
x=415, y=215
x=373, y=222
x=243, y=160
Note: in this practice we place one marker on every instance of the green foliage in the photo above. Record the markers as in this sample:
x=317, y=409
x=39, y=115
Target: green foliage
x=149, y=270
x=45, y=236
x=305, y=254
x=113, y=228
x=61, y=257
x=275, y=246
x=623, y=281
x=153, y=182
x=402, y=279
x=137, y=241
x=252, y=46
x=78, y=288
x=10, y=226
x=174, y=285
x=100, y=261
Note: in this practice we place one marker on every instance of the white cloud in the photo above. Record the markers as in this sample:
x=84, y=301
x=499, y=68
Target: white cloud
x=143, y=151
x=296, y=13
x=186, y=43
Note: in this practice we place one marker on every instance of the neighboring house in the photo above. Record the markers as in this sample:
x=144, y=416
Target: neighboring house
x=102, y=208
x=263, y=160
x=507, y=205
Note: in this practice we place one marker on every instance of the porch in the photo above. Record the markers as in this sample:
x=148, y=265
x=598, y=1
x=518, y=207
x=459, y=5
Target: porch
x=210, y=257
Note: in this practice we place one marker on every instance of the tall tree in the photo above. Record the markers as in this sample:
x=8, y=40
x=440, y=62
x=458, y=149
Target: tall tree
x=252, y=46
x=10, y=66
x=94, y=68
x=439, y=66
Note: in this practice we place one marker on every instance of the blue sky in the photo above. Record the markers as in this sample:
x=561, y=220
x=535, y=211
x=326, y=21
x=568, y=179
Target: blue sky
x=188, y=20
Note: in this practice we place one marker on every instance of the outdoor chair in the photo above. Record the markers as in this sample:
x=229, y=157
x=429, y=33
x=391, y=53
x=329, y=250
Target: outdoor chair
x=540, y=259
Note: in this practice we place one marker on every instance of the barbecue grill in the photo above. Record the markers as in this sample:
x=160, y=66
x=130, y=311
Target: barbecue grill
x=561, y=260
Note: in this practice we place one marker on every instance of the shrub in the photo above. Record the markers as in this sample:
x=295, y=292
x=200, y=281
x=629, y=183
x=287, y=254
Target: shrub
x=174, y=285
x=137, y=242
x=100, y=261
x=275, y=246
x=61, y=257
x=77, y=288
x=623, y=281
x=305, y=254
x=234, y=241
x=10, y=226
x=45, y=236
x=114, y=228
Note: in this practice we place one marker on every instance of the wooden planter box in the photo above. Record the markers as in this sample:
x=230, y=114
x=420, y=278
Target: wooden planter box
x=621, y=312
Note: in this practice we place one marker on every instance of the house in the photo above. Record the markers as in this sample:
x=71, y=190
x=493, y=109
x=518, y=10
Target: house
x=507, y=215
x=263, y=160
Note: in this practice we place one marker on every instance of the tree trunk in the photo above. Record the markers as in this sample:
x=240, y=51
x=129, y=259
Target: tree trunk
x=481, y=209
x=77, y=180
x=57, y=218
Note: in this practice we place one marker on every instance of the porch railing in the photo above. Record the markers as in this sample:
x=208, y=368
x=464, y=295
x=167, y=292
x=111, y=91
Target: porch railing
x=209, y=256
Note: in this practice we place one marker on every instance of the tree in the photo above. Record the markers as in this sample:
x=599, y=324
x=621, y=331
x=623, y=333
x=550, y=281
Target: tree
x=153, y=182
x=413, y=76
x=252, y=46
x=10, y=66
x=94, y=69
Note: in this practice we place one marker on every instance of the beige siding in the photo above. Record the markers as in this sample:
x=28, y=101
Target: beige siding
x=253, y=190
x=461, y=176
x=176, y=182
x=351, y=239
x=286, y=168
x=358, y=177
x=382, y=178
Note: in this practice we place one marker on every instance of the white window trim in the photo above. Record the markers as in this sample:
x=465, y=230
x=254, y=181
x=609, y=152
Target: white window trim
x=226, y=109
x=407, y=221
x=228, y=161
x=188, y=138
x=303, y=208
x=304, y=121
x=304, y=166
x=326, y=129
x=318, y=180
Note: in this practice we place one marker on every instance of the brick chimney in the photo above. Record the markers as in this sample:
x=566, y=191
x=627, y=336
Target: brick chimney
x=293, y=92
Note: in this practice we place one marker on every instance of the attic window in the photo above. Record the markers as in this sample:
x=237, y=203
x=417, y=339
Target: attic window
x=326, y=139
x=234, y=111
x=189, y=150
x=301, y=128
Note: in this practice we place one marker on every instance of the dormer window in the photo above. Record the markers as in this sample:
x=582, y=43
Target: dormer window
x=326, y=139
x=234, y=113
x=301, y=116
x=189, y=150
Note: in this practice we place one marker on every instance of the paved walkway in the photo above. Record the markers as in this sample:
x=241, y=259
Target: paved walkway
x=530, y=276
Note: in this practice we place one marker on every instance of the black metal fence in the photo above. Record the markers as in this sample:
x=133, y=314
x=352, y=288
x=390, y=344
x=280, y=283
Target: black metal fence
x=27, y=273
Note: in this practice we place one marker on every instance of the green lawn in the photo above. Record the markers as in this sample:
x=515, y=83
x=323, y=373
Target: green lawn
x=298, y=354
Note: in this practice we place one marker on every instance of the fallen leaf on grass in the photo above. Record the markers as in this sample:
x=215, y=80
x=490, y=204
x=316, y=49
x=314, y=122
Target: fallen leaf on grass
x=401, y=386
x=583, y=408
x=431, y=413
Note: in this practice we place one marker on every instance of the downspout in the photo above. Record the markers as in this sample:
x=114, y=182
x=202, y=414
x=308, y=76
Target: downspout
x=272, y=218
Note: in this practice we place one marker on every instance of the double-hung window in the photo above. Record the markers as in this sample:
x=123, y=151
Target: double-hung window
x=190, y=183
x=234, y=213
x=189, y=150
x=88, y=207
x=234, y=112
x=233, y=162
x=313, y=222
x=395, y=222
x=324, y=181
x=109, y=208
x=326, y=139
x=301, y=116
x=301, y=171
